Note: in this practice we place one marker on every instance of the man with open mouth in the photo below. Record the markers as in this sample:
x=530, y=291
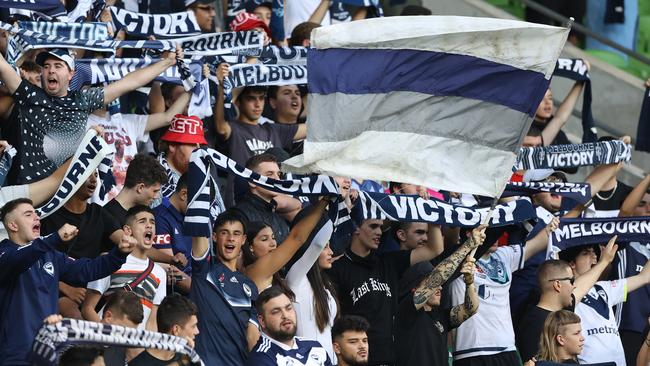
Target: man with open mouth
x=139, y=274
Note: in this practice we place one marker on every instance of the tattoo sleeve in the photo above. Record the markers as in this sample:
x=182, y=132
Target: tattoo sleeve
x=441, y=273
x=464, y=311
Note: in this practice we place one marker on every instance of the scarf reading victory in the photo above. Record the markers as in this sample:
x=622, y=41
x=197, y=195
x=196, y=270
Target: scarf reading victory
x=643, y=130
x=567, y=156
x=580, y=192
x=576, y=69
x=52, y=340
x=236, y=43
x=86, y=159
x=581, y=231
x=161, y=25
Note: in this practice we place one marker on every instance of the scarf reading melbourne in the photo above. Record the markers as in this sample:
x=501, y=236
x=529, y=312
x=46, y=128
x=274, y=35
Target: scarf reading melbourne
x=235, y=43
x=160, y=25
x=257, y=74
x=52, y=340
x=567, y=156
x=576, y=69
x=580, y=192
x=581, y=231
x=643, y=130
x=284, y=55
x=86, y=159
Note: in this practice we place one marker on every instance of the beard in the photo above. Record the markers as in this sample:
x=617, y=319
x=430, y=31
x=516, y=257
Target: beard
x=352, y=361
x=282, y=335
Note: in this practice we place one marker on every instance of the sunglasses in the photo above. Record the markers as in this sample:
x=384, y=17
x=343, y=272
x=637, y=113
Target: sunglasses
x=571, y=280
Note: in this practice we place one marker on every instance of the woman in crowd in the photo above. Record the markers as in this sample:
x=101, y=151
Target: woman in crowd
x=561, y=339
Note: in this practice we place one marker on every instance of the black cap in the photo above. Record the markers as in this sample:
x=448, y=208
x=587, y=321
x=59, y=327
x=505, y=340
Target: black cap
x=413, y=276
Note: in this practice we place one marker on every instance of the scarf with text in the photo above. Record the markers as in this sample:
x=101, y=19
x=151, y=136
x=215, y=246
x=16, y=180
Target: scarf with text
x=236, y=43
x=87, y=8
x=574, y=155
x=643, y=130
x=576, y=69
x=289, y=55
x=161, y=25
x=5, y=163
x=580, y=192
x=50, y=8
x=52, y=340
x=86, y=159
x=266, y=75
x=598, y=230
x=105, y=175
x=104, y=70
x=413, y=208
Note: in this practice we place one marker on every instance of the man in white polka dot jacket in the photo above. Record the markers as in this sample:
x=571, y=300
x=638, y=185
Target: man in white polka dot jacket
x=52, y=118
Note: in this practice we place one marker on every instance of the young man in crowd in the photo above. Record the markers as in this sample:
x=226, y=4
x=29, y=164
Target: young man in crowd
x=560, y=289
x=176, y=316
x=602, y=341
x=98, y=233
x=421, y=324
x=223, y=296
x=170, y=240
x=30, y=269
x=139, y=274
x=278, y=345
x=492, y=277
x=58, y=114
x=122, y=308
x=259, y=204
x=350, y=340
x=204, y=11
x=367, y=284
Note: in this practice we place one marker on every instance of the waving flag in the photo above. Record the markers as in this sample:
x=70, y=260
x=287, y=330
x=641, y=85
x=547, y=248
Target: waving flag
x=438, y=101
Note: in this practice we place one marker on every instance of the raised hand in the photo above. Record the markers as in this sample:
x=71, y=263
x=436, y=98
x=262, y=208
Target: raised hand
x=127, y=243
x=67, y=232
x=608, y=253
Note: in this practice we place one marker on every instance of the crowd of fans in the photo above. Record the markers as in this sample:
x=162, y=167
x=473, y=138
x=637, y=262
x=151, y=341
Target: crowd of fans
x=277, y=284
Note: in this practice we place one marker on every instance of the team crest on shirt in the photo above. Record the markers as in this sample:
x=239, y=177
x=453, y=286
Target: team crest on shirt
x=247, y=290
x=493, y=269
x=49, y=268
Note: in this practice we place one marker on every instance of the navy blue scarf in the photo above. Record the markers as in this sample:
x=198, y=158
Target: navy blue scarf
x=575, y=69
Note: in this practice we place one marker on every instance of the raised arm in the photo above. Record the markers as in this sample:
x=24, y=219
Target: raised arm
x=298, y=270
x=163, y=119
x=540, y=241
x=321, y=10
x=634, y=198
x=562, y=114
x=435, y=246
x=586, y=281
x=220, y=124
x=15, y=261
x=469, y=307
x=140, y=77
x=275, y=260
x=301, y=132
x=447, y=267
x=639, y=280
x=9, y=76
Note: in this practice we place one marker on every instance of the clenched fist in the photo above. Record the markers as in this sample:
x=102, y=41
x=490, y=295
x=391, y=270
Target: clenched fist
x=67, y=232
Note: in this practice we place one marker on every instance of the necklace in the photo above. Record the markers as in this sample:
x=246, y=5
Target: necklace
x=610, y=195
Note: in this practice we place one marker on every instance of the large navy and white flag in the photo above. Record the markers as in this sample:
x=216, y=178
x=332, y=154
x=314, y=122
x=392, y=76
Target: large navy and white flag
x=598, y=230
x=414, y=99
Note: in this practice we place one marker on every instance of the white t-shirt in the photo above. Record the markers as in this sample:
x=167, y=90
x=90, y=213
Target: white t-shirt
x=122, y=132
x=152, y=290
x=602, y=341
x=299, y=11
x=490, y=330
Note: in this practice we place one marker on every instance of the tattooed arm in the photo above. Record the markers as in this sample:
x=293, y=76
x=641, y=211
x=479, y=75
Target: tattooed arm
x=446, y=268
x=464, y=311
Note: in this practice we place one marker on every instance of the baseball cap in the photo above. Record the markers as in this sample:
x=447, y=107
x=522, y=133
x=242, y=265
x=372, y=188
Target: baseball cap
x=246, y=21
x=60, y=53
x=185, y=130
x=540, y=175
x=413, y=276
x=206, y=2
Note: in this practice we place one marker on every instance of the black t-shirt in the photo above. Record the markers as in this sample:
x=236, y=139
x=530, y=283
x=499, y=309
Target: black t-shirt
x=117, y=211
x=146, y=359
x=368, y=287
x=95, y=228
x=421, y=336
x=615, y=198
x=115, y=356
x=530, y=329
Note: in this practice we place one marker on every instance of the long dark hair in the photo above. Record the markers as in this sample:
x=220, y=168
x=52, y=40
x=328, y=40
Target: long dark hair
x=252, y=229
x=320, y=285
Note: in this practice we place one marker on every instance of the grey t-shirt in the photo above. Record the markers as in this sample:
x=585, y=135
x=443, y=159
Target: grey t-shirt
x=248, y=140
x=50, y=127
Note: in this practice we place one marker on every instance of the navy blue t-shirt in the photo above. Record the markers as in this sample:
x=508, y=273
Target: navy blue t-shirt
x=269, y=352
x=225, y=305
x=169, y=232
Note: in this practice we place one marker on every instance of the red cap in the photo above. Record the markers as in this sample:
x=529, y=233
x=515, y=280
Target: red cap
x=246, y=21
x=185, y=130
